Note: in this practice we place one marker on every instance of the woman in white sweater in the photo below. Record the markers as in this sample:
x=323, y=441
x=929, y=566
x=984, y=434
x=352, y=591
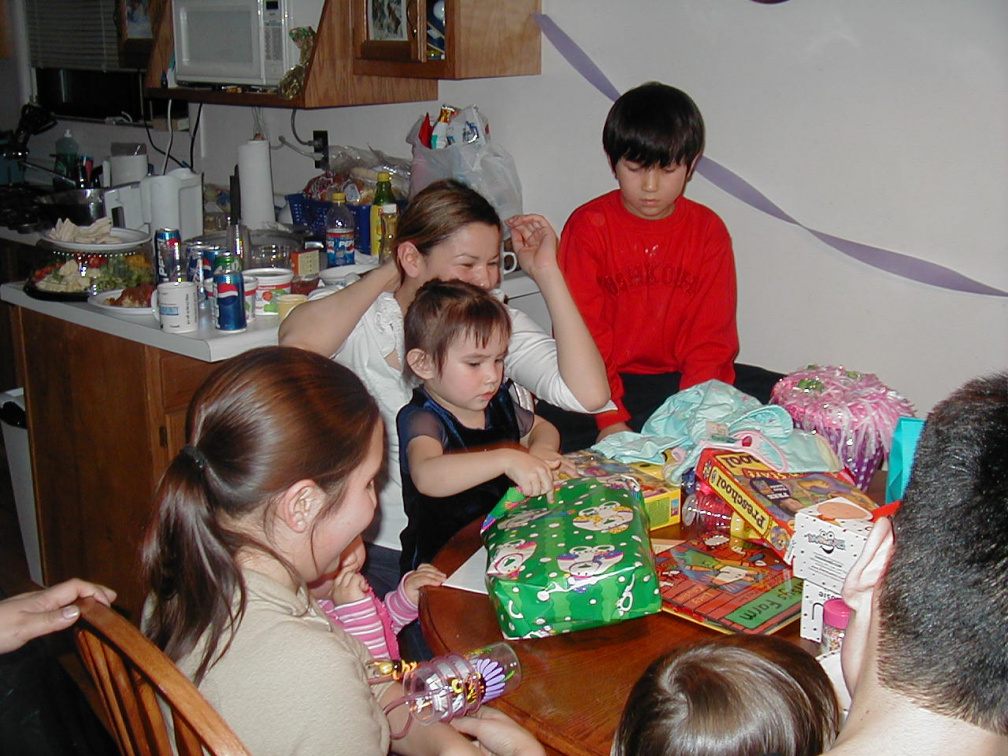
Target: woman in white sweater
x=448, y=231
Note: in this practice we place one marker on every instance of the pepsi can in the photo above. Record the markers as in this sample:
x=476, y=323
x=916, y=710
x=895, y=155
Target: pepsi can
x=171, y=266
x=229, y=295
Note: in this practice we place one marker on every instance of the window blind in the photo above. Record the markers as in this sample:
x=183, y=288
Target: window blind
x=74, y=34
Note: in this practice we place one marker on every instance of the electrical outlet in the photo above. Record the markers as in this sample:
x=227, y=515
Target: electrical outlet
x=320, y=146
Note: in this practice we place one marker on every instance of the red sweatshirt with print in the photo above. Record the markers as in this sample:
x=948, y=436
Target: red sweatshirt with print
x=657, y=295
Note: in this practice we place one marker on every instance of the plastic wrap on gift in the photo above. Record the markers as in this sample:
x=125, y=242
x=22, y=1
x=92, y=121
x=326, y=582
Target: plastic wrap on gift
x=583, y=561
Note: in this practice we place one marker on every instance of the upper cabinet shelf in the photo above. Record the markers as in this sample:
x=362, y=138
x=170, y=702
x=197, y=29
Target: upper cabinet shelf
x=456, y=39
x=483, y=38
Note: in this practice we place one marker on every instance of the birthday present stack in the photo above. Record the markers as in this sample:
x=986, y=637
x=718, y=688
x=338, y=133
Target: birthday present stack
x=581, y=561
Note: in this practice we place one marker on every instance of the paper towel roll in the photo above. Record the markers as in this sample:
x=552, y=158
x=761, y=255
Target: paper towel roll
x=256, y=181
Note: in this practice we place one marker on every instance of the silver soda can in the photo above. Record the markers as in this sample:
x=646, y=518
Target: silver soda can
x=196, y=270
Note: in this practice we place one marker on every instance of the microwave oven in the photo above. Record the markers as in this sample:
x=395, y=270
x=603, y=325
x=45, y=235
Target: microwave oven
x=239, y=41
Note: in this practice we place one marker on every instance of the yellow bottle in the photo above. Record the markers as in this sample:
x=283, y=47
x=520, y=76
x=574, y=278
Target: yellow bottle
x=382, y=196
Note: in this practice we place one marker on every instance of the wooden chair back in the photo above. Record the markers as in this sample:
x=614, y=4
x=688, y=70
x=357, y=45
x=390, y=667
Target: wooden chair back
x=134, y=677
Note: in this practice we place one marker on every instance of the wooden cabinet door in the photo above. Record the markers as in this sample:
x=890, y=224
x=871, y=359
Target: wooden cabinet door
x=85, y=393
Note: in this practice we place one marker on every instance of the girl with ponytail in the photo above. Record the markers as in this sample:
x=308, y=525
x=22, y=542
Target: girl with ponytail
x=276, y=479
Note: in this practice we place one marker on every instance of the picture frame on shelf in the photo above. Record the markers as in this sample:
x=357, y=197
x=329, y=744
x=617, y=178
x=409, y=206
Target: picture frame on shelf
x=387, y=29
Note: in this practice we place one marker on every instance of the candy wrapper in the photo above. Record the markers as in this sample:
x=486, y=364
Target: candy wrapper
x=855, y=412
x=293, y=82
x=583, y=561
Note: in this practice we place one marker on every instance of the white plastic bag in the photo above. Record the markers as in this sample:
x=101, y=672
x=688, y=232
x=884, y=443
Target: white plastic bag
x=481, y=165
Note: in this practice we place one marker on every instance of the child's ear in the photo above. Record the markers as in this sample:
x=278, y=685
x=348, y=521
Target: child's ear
x=300, y=504
x=867, y=571
x=693, y=165
x=420, y=363
x=410, y=258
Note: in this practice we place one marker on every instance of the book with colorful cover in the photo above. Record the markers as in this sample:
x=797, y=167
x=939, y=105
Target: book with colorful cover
x=728, y=584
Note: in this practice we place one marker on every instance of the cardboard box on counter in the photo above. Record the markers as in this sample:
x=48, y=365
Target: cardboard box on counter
x=768, y=500
x=661, y=499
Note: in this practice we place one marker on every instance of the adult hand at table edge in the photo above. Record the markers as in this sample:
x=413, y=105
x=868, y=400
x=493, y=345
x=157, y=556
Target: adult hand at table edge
x=497, y=734
x=27, y=616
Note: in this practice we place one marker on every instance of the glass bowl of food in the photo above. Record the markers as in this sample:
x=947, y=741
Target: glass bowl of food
x=75, y=272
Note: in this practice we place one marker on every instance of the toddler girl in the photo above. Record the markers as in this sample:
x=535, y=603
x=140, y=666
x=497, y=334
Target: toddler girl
x=464, y=439
x=348, y=600
x=276, y=480
x=737, y=696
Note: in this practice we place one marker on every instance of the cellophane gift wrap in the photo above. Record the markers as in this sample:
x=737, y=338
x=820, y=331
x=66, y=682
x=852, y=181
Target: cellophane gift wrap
x=583, y=561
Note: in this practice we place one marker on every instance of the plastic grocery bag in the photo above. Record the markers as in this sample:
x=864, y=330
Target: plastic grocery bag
x=478, y=164
x=583, y=561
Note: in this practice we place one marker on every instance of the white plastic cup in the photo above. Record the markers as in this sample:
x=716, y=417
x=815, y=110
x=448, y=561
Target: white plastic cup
x=272, y=283
x=176, y=306
x=251, y=284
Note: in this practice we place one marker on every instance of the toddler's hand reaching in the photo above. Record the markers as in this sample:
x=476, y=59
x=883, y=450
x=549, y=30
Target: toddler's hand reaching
x=348, y=586
x=549, y=455
x=532, y=474
x=424, y=574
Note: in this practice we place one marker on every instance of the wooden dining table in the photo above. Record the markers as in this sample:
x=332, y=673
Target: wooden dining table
x=573, y=685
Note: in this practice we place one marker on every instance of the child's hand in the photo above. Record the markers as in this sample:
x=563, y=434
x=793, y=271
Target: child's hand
x=533, y=475
x=424, y=574
x=534, y=242
x=348, y=586
x=550, y=455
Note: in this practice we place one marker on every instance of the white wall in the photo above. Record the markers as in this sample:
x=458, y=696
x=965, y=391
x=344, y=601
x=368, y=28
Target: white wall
x=879, y=121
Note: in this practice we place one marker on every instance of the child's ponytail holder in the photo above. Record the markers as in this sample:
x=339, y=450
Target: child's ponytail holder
x=195, y=455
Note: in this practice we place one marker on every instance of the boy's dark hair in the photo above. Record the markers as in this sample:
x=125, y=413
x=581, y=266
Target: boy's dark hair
x=943, y=601
x=738, y=696
x=654, y=124
x=445, y=311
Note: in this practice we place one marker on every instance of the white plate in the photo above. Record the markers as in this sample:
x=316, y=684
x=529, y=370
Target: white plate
x=127, y=239
x=100, y=301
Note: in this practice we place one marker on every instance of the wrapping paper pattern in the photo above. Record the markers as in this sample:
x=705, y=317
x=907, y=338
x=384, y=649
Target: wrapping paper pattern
x=583, y=561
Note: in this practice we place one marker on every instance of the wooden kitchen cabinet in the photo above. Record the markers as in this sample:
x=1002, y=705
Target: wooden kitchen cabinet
x=330, y=82
x=105, y=415
x=482, y=38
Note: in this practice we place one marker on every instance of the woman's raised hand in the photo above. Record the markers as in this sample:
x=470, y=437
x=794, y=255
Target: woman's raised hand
x=534, y=242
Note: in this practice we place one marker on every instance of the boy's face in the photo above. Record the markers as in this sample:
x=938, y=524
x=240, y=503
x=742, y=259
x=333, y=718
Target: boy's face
x=651, y=192
x=470, y=375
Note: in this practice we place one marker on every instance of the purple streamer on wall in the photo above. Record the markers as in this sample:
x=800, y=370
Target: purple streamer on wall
x=728, y=181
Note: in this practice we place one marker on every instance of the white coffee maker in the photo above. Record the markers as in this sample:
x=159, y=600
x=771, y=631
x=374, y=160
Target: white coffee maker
x=174, y=200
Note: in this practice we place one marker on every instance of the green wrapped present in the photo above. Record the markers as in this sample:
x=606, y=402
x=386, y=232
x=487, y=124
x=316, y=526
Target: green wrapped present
x=583, y=561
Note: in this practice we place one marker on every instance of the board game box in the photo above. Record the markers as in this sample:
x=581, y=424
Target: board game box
x=727, y=584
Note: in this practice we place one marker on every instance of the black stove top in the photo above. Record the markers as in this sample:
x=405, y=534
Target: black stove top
x=18, y=210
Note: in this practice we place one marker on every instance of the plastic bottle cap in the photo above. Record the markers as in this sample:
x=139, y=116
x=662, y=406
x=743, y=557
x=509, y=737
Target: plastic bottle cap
x=384, y=176
x=338, y=197
x=836, y=613
x=391, y=207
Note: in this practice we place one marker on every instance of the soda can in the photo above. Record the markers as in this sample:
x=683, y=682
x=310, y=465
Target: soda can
x=171, y=265
x=197, y=270
x=209, y=252
x=229, y=301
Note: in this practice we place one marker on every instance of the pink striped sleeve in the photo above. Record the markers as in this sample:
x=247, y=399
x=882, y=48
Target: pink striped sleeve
x=401, y=610
x=361, y=619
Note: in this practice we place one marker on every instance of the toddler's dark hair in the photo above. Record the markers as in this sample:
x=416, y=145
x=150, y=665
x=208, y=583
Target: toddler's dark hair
x=444, y=311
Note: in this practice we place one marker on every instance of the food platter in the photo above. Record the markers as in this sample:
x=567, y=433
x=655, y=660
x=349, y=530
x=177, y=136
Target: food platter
x=101, y=302
x=128, y=238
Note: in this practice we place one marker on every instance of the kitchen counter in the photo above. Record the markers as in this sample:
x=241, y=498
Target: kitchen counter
x=207, y=344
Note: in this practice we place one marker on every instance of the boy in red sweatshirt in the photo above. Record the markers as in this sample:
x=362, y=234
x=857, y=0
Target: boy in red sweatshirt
x=651, y=271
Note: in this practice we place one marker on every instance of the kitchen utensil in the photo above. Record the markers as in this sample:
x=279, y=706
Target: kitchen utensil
x=82, y=206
